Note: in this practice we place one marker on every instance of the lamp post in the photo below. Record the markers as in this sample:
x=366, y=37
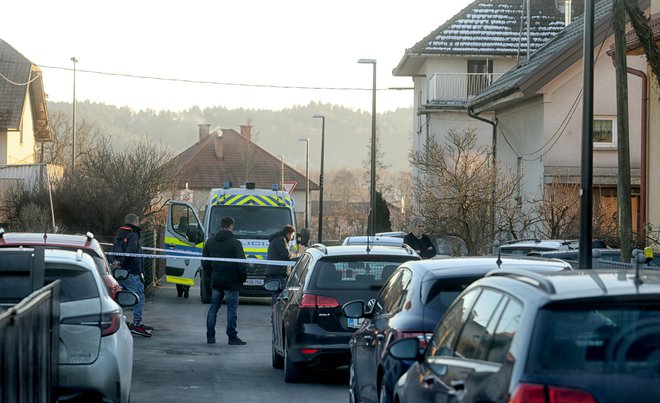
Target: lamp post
x=320, y=116
x=306, y=181
x=372, y=194
x=73, y=129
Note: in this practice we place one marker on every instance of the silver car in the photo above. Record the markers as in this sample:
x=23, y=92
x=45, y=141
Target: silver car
x=96, y=346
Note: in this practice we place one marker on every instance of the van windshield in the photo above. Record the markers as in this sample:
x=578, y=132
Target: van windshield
x=255, y=222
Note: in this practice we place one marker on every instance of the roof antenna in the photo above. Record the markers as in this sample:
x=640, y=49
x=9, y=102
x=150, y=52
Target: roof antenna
x=496, y=246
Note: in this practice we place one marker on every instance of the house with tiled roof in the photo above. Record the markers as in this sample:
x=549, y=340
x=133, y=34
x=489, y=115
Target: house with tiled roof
x=24, y=122
x=468, y=53
x=226, y=155
x=538, y=108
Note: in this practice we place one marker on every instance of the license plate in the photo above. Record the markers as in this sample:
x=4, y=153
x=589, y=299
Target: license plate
x=254, y=281
x=355, y=323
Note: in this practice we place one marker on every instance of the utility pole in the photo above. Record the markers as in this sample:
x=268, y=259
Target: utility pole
x=624, y=204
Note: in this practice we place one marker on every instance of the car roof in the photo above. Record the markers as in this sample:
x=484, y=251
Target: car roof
x=470, y=265
x=373, y=240
x=581, y=284
x=395, y=234
x=545, y=243
x=46, y=239
x=355, y=250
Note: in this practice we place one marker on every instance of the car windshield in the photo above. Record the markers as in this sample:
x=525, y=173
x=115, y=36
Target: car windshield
x=597, y=339
x=355, y=272
x=257, y=222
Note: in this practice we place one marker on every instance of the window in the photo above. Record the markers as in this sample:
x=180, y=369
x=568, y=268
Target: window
x=478, y=331
x=506, y=329
x=604, y=132
x=444, y=338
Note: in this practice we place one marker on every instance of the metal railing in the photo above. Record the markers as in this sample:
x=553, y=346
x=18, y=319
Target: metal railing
x=29, y=347
x=459, y=86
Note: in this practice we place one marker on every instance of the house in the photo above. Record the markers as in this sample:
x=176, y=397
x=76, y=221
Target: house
x=471, y=51
x=225, y=155
x=24, y=121
x=539, y=115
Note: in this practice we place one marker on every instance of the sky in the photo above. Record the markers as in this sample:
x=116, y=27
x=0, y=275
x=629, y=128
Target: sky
x=234, y=54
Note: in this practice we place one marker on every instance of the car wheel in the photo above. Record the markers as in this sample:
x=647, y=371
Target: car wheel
x=292, y=370
x=352, y=386
x=383, y=396
x=277, y=360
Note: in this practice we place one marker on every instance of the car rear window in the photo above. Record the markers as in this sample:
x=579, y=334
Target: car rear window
x=360, y=272
x=597, y=339
x=443, y=291
x=77, y=283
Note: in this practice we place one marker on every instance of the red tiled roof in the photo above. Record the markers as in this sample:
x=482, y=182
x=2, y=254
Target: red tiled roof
x=240, y=161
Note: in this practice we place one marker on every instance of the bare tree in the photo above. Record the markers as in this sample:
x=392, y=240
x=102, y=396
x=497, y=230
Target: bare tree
x=455, y=189
x=559, y=210
x=59, y=150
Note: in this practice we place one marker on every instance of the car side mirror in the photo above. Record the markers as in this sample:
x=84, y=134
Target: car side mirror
x=120, y=274
x=406, y=349
x=126, y=298
x=353, y=309
x=273, y=285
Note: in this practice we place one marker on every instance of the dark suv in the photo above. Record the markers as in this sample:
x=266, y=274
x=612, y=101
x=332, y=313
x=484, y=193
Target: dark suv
x=519, y=336
x=309, y=328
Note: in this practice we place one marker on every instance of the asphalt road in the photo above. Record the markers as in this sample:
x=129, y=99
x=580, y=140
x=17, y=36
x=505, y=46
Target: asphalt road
x=177, y=365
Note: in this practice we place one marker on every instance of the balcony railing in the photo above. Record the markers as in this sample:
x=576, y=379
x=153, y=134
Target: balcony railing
x=459, y=87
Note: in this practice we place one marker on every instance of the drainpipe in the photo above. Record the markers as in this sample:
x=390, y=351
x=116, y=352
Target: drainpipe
x=493, y=123
x=641, y=223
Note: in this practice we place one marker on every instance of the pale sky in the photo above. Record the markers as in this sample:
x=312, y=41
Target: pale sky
x=292, y=43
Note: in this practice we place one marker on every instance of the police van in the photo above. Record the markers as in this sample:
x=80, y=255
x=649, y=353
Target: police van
x=257, y=214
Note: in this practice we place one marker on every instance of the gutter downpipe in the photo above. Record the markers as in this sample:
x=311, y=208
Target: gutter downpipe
x=641, y=223
x=493, y=123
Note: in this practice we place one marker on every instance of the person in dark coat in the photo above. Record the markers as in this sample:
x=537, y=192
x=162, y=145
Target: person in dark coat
x=278, y=249
x=419, y=241
x=226, y=278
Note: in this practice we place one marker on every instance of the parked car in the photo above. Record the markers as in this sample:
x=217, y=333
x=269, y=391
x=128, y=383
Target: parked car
x=410, y=305
x=309, y=329
x=86, y=243
x=525, y=246
x=518, y=336
x=600, y=257
x=95, y=346
x=373, y=240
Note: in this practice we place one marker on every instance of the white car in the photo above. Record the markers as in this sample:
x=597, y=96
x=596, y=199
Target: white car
x=373, y=240
x=96, y=346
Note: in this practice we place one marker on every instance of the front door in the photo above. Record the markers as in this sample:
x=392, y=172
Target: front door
x=184, y=237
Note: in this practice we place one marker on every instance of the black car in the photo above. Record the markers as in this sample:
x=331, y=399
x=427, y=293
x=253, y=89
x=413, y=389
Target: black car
x=309, y=329
x=518, y=336
x=410, y=305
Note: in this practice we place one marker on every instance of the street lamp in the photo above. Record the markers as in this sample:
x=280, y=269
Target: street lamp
x=73, y=129
x=320, y=116
x=372, y=194
x=306, y=181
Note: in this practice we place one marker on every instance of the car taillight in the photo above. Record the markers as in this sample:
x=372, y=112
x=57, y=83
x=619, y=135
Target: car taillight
x=531, y=393
x=311, y=301
x=421, y=336
x=108, y=322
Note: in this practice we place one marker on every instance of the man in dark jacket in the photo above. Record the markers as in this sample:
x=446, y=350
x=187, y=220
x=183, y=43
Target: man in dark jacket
x=127, y=240
x=278, y=249
x=226, y=278
x=419, y=241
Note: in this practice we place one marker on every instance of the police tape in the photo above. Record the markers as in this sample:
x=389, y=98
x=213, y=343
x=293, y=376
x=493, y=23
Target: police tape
x=198, y=256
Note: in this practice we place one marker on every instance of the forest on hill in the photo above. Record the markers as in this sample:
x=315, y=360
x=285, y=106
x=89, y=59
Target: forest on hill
x=347, y=131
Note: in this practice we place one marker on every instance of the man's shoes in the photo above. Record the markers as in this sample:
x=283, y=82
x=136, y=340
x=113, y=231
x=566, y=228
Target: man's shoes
x=139, y=330
x=185, y=293
x=146, y=327
x=210, y=341
x=235, y=341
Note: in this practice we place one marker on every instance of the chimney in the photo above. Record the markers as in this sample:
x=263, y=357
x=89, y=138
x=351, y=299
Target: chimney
x=203, y=131
x=219, y=146
x=246, y=132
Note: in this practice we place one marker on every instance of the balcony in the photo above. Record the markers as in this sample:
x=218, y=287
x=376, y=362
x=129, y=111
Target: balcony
x=455, y=89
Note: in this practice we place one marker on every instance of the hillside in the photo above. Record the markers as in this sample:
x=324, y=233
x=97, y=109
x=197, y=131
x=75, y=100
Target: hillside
x=347, y=132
